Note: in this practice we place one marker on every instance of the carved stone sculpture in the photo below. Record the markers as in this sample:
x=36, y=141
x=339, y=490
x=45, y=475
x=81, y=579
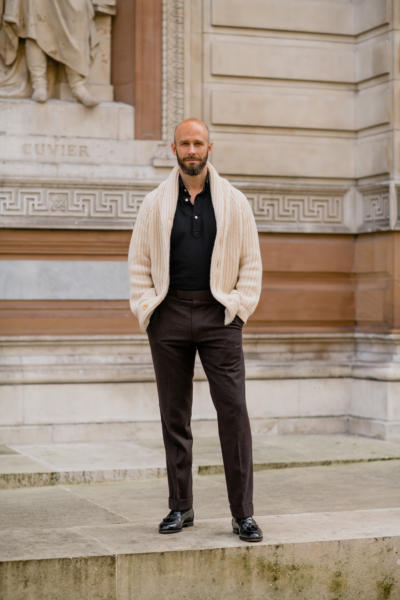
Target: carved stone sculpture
x=63, y=30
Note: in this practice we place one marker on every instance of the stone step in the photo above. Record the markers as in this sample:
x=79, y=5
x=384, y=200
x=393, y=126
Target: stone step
x=201, y=565
x=51, y=464
x=329, y=532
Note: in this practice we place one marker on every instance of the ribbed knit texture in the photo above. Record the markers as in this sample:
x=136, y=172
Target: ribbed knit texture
x=236, y=270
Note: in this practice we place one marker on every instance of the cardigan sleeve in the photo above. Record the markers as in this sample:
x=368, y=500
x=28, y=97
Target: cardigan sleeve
x=139, y=261
x=250, y=267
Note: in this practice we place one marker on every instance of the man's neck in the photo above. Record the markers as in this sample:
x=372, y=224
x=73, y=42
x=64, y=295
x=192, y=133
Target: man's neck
x=194, y=182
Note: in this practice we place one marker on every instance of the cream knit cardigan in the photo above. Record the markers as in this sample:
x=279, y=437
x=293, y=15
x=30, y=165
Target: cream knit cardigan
x=235, y=275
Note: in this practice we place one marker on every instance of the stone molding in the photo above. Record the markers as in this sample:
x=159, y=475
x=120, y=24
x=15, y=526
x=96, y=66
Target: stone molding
x=173, y=78
x=113, y=205
x=172, y=66
x=126, y=358
x=66, y=205
x=396, y=219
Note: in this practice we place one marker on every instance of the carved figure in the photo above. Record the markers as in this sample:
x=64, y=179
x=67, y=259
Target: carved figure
x=61, y=29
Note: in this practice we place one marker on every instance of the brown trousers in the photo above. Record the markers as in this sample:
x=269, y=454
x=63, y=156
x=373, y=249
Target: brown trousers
x=186, y=322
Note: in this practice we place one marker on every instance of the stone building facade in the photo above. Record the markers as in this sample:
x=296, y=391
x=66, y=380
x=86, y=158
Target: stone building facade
x=303, y=102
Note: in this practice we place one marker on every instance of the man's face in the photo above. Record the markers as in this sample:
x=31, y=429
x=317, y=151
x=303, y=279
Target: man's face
x=191, y=147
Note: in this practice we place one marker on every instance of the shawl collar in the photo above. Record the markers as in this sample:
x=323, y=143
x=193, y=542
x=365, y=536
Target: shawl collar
x=168, y=198
x=167, y=202
x=220, y=197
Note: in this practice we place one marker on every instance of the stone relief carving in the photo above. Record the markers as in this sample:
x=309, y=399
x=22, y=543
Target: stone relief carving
x=277, y=210
x=172, y=66
x=33, y=31
x=298, y=209
x=116, y=207
x=66, y=206
x=376, y=209
x=172, y=78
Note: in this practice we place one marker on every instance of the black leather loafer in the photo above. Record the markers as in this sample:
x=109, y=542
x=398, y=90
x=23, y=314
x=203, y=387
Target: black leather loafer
x=176, y=520
x=247, y=529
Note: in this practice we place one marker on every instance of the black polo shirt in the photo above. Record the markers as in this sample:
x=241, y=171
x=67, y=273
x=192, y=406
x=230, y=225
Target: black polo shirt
x=192, y=240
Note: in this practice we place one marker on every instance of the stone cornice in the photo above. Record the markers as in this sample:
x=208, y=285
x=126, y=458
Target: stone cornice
x=67, y=204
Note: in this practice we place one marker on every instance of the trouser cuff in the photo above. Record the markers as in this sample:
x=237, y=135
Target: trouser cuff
x=180, y=503
x=245, y=510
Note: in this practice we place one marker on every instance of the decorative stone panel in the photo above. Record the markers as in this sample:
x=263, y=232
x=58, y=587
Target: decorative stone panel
x=173, y=76
x=172, y=66
x=68, y=206
x=375, y=209
x=64, y=205
x=283, y=210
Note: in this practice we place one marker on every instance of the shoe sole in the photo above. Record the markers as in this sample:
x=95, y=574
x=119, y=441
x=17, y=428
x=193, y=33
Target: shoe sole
x=187, y=524
x=245, y=539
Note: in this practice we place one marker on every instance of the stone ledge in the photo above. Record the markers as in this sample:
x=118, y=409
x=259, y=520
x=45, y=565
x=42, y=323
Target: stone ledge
x=141, y=430
x=354, y=554
x=325, y=528
x=96, y=358
x=38, y=464
x=374, y=428
x=23, y=117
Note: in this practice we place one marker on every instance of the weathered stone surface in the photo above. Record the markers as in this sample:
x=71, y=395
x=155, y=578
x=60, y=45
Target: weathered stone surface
x=373, y=155
x=283, y=108
x=283, y=155
x=370, y=14
x=30, y=543
x=6, y=450
x=327, y=529
x=373, y=106
x=304, y=383
x=26, y=118
x=372, y=486
x=341, y=18
x=267, y=58
x=51, y=508
x=355, y=570
x=17, y=463
x=59, y=579
x=68, y=280
x=292, y=15
x=72, y=463
x=372, y=58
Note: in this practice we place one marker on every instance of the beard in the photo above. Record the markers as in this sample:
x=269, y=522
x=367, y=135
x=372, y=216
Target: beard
x=195, y=169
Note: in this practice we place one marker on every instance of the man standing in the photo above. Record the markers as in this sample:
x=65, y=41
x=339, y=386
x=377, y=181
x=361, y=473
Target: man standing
x=195, y=277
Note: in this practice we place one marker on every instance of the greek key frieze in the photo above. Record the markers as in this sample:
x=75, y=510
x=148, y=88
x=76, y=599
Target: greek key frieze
x=376, y=207
x=116, y=207
x=48, y=204
x=295, y=209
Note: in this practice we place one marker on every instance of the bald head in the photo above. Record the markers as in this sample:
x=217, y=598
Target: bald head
x=191, y=147
x=192, y=125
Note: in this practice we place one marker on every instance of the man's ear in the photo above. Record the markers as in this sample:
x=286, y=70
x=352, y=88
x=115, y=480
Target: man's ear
x=210, y=146
x=173, y=147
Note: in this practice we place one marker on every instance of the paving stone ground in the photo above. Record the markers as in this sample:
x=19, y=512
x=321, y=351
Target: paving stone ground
x=347, y=489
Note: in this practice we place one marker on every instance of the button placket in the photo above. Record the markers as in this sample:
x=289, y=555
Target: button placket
x=196, y=225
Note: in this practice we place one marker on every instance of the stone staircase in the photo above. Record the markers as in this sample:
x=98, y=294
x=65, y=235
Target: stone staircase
x=79, y=522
